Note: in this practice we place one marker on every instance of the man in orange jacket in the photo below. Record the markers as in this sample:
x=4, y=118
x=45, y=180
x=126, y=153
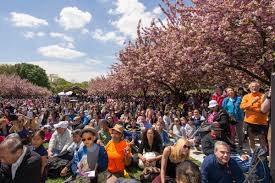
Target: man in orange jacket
x=256, y=120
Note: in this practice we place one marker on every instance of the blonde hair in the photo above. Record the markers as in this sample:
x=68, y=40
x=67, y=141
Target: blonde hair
x=176, y=155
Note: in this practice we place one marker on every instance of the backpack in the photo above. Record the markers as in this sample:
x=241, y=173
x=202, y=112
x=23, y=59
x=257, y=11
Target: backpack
x=259, y=171
x=55, y=166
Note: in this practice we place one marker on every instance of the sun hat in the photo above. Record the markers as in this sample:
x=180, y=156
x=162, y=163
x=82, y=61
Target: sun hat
x=88, y=129
x=212, y=103
x=61, y=124
x=118, y=128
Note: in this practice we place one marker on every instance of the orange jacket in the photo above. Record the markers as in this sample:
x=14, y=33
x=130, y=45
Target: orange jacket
x=253, y=112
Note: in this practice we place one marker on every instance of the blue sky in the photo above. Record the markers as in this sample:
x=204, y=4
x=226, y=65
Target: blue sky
x=75, y=39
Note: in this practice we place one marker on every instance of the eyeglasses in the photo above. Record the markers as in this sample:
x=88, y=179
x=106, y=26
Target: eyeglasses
x=187, y=147
x=88, y=139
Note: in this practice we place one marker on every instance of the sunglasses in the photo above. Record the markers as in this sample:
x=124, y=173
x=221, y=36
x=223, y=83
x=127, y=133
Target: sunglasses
x=187, y=147
x=88, y=139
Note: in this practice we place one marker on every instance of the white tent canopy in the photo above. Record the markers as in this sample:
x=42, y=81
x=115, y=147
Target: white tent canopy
x=69, y=93
x=62, y=94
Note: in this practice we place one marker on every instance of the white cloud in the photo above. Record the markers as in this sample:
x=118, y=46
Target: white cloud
x=25, y=20
x=31, y=35
x=130, y=12
x=61, y=35
x=157, y=11
x=70, y=45
x=109, y=36
x=73, y=18
x=57, y=51
x=84, y=31
x=78, y=71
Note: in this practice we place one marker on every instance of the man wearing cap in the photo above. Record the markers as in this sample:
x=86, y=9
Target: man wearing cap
x=209, y=140
x=60, y=139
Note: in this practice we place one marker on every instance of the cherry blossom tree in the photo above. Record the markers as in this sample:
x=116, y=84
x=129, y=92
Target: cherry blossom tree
x=13, y=85
x=214, y=41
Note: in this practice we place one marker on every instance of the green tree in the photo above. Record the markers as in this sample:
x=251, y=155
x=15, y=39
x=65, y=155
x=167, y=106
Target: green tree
x=59, y=85
x=7, y=69
x=33, y=73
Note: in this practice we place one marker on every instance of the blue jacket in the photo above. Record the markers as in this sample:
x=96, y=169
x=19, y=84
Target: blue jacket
x=164, y=138
x=85, y=120
x=213, y=172
x=233, y=108
x=102, y=159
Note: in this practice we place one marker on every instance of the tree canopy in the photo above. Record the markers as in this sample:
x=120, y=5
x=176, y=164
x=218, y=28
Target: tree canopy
x=32, y=73
x=13, y=85
x=215, y=41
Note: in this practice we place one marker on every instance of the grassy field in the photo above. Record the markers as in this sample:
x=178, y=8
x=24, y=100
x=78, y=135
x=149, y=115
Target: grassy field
x=133, y=172
x=60, y=180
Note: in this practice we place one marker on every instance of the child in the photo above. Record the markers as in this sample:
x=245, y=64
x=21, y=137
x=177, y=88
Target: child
x=48, y=132
x=104, y=134
x=90, y=157
x=37, y=146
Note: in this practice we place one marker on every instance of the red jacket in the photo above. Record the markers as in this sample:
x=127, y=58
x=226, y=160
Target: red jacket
x=218, y=98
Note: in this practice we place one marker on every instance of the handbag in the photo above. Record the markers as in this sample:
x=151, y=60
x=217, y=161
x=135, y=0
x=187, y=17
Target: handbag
x=147, y=155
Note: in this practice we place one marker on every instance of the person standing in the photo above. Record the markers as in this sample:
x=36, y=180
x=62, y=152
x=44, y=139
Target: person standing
x=232, y=106
x=256, y=120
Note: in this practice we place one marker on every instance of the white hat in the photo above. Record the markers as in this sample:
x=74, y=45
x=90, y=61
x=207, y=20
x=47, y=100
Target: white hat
x=47, y=126
x=61, y=124
x=212, y=103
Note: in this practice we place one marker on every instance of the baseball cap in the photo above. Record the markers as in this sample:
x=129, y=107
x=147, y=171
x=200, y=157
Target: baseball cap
x=216, y=126
x=212, y=103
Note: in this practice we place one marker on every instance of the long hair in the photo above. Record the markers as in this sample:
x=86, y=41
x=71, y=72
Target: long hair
x=176, y=155
x=156, y=138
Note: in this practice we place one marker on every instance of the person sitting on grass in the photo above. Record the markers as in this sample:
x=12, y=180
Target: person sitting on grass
x=37, y=146
x=219, y=167
x=90, y=157
x=171, y=157
x=61, y=138
x=104, y=134
x=71, y=150
x=150, y=149
x=119, y=154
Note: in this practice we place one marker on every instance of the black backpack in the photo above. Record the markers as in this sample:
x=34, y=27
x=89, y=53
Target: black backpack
x=55, y=166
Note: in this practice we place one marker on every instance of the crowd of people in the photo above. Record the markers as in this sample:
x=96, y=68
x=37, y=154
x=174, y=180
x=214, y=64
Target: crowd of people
x=100, y=139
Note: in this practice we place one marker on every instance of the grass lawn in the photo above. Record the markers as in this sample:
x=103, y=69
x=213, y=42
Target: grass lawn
x=60, y=180
x=134, y=172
